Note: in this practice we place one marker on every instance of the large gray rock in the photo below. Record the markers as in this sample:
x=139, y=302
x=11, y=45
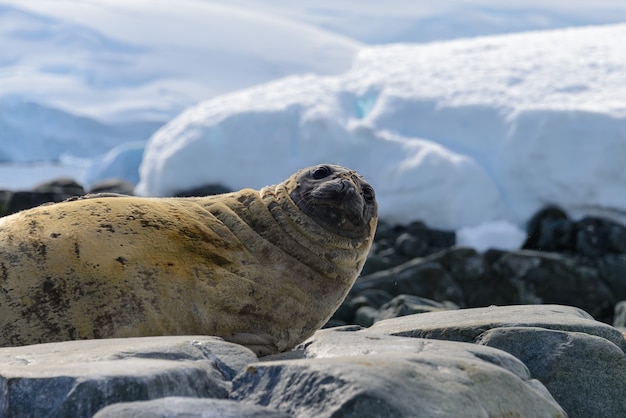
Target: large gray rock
x=579, y=360
x=363, y=374
x=180, y=407
x=77, y=378
x=467, y=324
x=585, y=374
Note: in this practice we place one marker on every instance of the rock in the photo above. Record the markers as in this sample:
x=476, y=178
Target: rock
x=370, y=298
x=61, y=186
x=397, y=244
x=118, y=186
x=467, y=324
x=206, y=190
x=612, y=271
x=363, y=374
x=410, y=246
x=422, y=277
x=403, y=305
x=550, y=229
x=22, y=200
x=77, y=378
x=365, y=316
x=533, y=360
x=53, y=191
x=5, y=196
x=620, y=314
x=552, y=278
x=179, y=407
x=580, y=361
x=473, y=272
x=585, y=374
x=596, y=237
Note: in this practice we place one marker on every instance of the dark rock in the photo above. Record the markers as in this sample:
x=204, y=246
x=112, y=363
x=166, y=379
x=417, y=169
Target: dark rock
x=62, y=186
x=410, y=246
x=179, y=407
x=5, y=196
x=77, y=378
x=206, y=190
x=118, y=186
x=435, y=238
x=21, y=200
x=473, y=273
x=346, y=312
x=397, y=244
x=53, y=191
x=552, y=278
x=550, y=229
x=373, y=305
x=365, y=316
x=416, y=277
x=371, y=297
x=584, y=373
x=403, y=305
x=596, y=237
x=377, y=262
x=612, y=271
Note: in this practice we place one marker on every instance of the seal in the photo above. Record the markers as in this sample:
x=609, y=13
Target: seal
x=262, y=268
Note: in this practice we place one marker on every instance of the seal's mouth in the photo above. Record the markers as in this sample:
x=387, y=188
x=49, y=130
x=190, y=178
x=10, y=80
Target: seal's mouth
x=340, y=217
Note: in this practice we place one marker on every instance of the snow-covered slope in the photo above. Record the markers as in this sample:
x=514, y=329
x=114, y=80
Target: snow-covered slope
x=103, y=62
x=453, y=133
x=392, y=21
x=79, y=77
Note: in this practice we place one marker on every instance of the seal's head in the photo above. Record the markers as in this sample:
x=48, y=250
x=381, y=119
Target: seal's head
x=336, y=198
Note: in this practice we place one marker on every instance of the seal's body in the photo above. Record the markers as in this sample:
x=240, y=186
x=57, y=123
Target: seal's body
x=260, y=268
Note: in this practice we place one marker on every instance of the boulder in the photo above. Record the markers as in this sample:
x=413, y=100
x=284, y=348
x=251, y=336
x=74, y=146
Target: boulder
x=423, y=277
x=56, y=190
x=77, y=378
x=206, y=190
x=365, y=374
x=180, y=407
x=620, y=315
x=5, y=196
x=586, y=374
x=118, y=186
x=473, y=272
x=541, y=277
x=467, y=324
x=579, y=360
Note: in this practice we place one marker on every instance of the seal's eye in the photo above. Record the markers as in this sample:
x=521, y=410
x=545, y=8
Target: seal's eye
x=320, y=172
x=368, y=194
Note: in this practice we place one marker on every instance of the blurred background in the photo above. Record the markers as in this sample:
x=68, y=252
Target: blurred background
x=461, y=113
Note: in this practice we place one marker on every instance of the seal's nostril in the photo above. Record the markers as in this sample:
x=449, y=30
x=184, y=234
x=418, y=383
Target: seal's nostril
x=347, y=186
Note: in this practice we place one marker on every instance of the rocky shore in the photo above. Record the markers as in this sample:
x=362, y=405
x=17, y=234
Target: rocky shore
x=430, y=329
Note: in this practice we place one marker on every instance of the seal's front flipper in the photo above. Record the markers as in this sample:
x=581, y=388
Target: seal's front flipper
x=260, y=344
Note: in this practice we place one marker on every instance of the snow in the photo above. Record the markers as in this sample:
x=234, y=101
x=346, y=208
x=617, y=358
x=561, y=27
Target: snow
x=453, y=133
x=474, y=134
x=98, y=74
x=501, y=235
